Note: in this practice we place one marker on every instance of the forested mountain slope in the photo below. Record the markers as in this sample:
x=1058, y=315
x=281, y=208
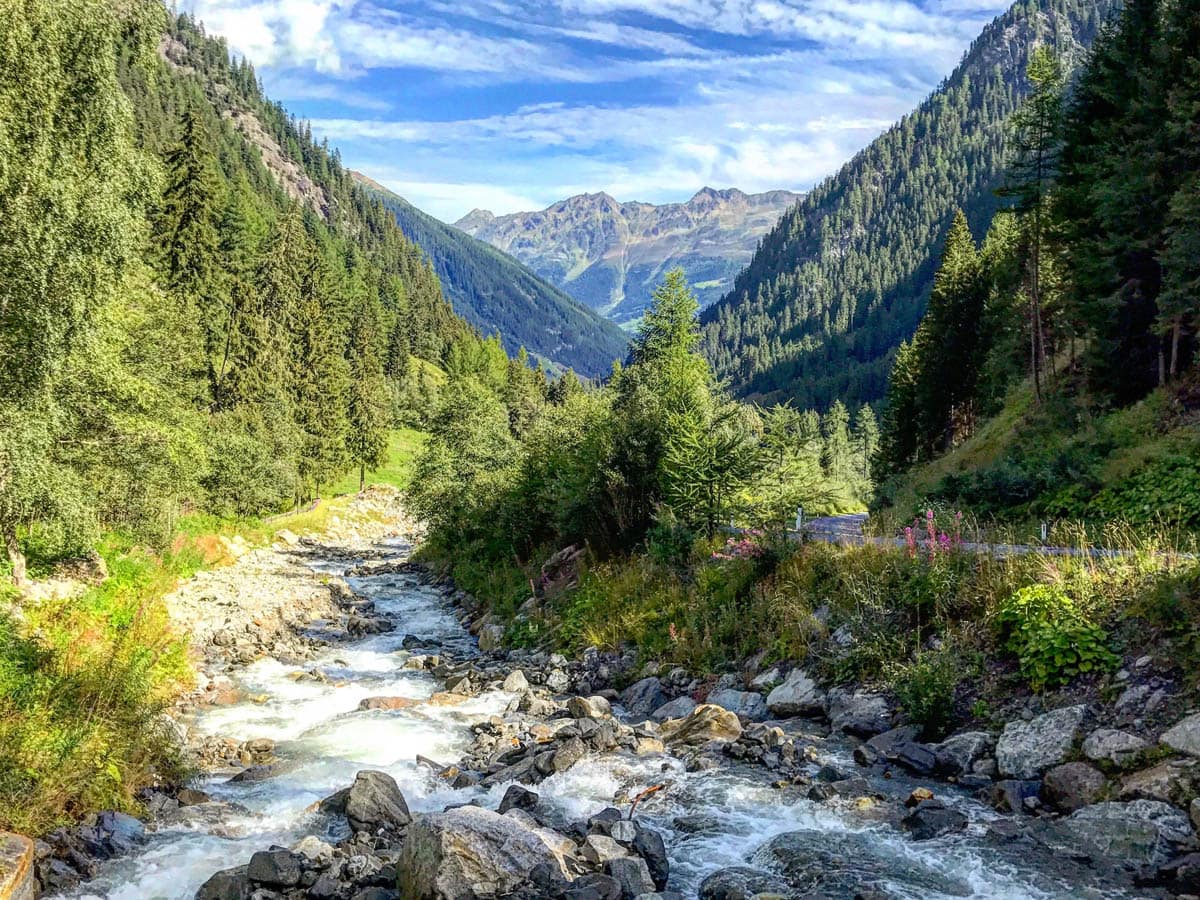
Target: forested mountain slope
x=845, y=275
x=610, y=255
x=496, y=293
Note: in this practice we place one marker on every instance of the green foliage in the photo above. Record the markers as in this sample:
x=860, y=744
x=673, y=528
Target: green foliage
x=925, y=688
x=1052, y=638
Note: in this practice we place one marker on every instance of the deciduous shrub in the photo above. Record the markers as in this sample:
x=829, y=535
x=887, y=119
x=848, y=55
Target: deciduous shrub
x=1053, y=639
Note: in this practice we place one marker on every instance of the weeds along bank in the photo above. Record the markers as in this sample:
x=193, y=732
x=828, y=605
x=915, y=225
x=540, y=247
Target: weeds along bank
x=93, y=656
x=959, y=638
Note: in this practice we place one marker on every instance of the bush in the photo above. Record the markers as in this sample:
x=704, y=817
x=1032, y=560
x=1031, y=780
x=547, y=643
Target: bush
x=1053, y=640
x=925, y=689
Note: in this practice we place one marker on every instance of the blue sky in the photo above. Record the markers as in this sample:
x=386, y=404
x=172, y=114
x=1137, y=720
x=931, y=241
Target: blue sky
x=510, y=105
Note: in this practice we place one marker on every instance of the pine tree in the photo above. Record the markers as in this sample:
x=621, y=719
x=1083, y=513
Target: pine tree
x=837, y=451
x=866, y=440
x=899, y=435
x=669, y=324
x=367, y=405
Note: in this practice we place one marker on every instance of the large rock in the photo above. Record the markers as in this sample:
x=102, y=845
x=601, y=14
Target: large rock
x=375, y=802
x=798, y=695
x=1185, y=736
x=16, y=868
x=276, y=868
x=703, y=724
x=742, y=883
x=1073, y=786
x=746, y=705
x=860, y=713
x=674, y=709
x=491, y=637
x=823, y=865
x=957, y=753
x=632, y=874
x=643, y=697
x=471, y=852
x=1174, y=781
x=1141, y=832
x=1112, y=746
x=228, y=884
x=1027, y=749
x=932, y=819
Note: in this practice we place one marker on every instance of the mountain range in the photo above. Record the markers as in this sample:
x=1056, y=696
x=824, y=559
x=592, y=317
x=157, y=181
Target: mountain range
x=497, y=294
x=844, y=276
x=610, y=255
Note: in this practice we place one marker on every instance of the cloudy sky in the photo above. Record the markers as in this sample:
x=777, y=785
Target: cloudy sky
x=510, y=105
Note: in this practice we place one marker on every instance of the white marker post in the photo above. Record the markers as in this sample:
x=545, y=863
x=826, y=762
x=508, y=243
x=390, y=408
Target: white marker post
x=800, y=519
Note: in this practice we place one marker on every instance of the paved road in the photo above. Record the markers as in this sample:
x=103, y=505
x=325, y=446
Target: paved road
x=848, y=529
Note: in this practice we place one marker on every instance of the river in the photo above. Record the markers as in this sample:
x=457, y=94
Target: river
x=323, y=739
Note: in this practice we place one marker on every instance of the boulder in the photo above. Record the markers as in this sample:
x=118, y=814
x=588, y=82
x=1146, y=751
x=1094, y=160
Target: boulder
x=768, y=680
x=1073, y=786
x=651, y=847
x=517, y=797
x=632, y=874
x=932, y=819
x=820, y=863
x=1112, y=746
x=798, y=695
x=746, y=705
x=275, y=868
x=957, y=753
x=491, y=637
x=228, y=884
x=742, y=883
x=1141, y=832
x=1184, y=737
x=1174, y=781
x=641, y=698
x=470, y=852
x=1027, y=749
x=917, y=758
x=1010, y=794
x=858, y=712
x=17, y=881
x=598, y=849
x=589, y=708
x=375, y=802
x=705, y=723
x=674, y=709
x=516, y=682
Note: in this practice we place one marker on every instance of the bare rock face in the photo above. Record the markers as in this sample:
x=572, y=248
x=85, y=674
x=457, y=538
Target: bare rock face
x=472, y=852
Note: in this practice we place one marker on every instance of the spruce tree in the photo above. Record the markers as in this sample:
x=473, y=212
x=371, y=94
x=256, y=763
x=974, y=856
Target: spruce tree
x=837, y=449
x=367, y=403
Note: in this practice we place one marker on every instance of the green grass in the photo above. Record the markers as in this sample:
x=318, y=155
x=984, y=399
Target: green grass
x=404, y=444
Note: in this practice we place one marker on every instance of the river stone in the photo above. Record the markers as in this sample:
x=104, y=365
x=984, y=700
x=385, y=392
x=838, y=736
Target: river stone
x=1112, y=746
x=767, y=680
x=861, y=713
x=516, y=682
x=705, y=723
x=1026, y=749
x=1073, y=786
x=632, y=874
x=1174, y=781
x=746, y=705
x=832, y=865
x=517, y=797
x=798, y=695
x=490, y=637
x=470, y=852
x=741, y=883
x=275, y=868
x=1141, y=832
x=589, y=708
x=957, y=753
x=641, y=698
x=674, y=709
x=387, y=703
x=931, y=819
x=599, y=849
x=375, y=802
x=650, y=846
x=1185, y=736
x=228, y=884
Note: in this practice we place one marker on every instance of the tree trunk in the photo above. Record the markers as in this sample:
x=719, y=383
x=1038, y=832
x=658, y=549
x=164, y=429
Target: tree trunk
x=1175, y=334
x=362, y=477
x=15, y=556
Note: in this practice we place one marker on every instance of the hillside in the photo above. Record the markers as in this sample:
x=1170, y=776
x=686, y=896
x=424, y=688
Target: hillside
x=845, y=275
x=495, y=293
x=610, y=255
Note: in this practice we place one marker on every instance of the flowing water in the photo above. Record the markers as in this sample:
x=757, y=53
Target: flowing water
x=323, y=740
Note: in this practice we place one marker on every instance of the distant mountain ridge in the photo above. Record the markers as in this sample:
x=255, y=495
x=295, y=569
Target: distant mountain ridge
x=496, y=293
x=610, y=255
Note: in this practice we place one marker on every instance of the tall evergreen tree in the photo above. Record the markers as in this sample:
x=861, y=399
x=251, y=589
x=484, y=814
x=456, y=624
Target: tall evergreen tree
x=367, y=394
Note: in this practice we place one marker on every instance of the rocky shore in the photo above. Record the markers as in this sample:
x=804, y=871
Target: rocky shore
x=1079, y=794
